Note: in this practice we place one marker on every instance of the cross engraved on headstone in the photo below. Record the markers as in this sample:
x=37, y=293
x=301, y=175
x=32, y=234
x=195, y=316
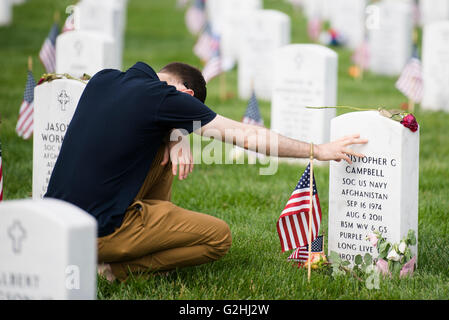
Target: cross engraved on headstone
x=17, y=234
x=298, y=61
x=63, y=99
x=78, y=47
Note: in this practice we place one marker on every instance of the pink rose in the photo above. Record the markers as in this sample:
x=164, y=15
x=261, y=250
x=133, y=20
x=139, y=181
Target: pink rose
x=408, y=268
x=372, y=237
x=382, y=267
x=409, y=121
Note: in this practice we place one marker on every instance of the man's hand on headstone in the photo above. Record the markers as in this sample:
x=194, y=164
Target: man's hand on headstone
x=338, y=150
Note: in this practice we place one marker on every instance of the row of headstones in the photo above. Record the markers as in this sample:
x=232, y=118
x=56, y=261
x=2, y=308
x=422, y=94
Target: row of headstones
x=377, y=193
x=97, y=41
x=389, y=26
x=266, y=30
x=95, y=44
x=269, y=30
x=428, y=10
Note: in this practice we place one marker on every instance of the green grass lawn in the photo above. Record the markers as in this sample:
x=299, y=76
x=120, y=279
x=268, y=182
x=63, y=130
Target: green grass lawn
x=250, y=203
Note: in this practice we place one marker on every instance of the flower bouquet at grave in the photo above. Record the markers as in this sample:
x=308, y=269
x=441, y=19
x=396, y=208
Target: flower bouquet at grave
x=396, y=258
x=393, y=259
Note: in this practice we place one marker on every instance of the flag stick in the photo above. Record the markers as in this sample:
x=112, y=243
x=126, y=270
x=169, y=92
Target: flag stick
x=56, y=16
x=30, y=63
x=411, y=105
x=309, y=239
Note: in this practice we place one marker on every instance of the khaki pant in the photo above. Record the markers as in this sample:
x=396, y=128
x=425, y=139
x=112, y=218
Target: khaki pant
x=157, y=235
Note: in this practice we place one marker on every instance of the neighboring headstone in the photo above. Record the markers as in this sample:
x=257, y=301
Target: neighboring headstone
x=48, y=250
x=391, y=43
x=378, y=192
x=435, y=64
x=215, y=13
x=320, y=9
x=347, y=17
x=305, y=75
x=263, y=32
x=5, y=12
x=234, y=15
x=79, y=52
x=433, y=11
x=108, y=17
x=54, y=105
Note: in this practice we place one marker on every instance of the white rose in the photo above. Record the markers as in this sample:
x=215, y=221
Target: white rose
x=393, y=255
x=402, y=247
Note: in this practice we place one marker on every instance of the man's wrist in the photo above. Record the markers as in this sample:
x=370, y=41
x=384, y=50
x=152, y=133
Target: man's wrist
x=317, y=151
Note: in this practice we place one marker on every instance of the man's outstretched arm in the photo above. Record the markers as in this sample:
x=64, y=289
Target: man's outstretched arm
x=263, y=140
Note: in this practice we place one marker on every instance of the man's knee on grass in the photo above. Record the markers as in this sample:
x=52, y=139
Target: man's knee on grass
x=222, y=241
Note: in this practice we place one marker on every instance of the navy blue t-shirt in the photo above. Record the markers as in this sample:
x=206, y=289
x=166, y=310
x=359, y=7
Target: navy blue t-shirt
x=117, y=128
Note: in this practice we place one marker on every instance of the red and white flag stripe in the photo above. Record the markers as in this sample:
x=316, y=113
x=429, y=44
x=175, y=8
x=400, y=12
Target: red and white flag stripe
x=48, y=56
x=24, y=127
x=294, y=221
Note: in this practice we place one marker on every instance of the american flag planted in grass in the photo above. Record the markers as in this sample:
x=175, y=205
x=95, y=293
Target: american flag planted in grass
x=24, y=127
x=301, y=254
x=48, y=50
x=213, y=66
x=206, y=45
x=293, y=224
x=252, y=114
x=410, y=82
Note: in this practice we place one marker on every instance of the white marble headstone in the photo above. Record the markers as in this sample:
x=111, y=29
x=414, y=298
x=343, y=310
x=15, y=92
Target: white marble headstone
x=48, y=250
x=79, y=52
x=320, y=9
x=108, y=17
x=435, y=64
x=305, y=75
x=347, y=17
x=391, y=43
x=433, y=11
x=263, y=32
x=5, y=12
x=234, y=14
x=54, y=105
x=378, y=192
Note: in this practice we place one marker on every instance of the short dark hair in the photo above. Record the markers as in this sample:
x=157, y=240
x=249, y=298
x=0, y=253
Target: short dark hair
x=189, y=76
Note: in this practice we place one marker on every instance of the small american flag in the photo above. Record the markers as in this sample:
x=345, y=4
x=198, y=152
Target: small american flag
x=252, y=114
x=47, y=54
x=24, y=127
x=207, y=45
x=301, y=254
x=1, y=174
x=196, y=17
x=293, y=224
x=410, y=82
x=361, y=55
x=213, y=65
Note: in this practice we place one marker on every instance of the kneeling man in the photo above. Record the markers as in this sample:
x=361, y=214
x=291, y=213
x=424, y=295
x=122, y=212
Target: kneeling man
x=117, y=163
